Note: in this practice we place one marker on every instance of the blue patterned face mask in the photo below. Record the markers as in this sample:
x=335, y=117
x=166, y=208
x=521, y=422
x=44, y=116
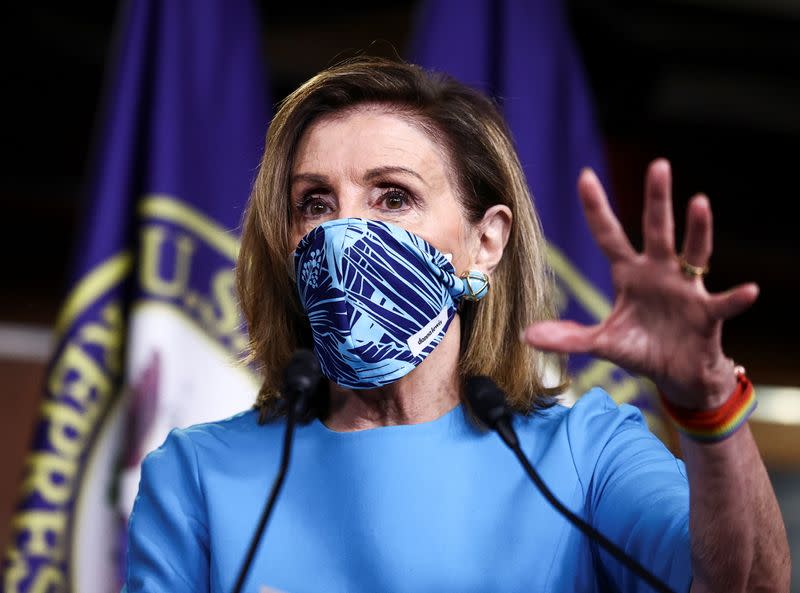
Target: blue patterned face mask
x=379, y=299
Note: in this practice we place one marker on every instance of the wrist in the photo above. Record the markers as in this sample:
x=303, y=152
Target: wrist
x=721, y=384
x=718, y=422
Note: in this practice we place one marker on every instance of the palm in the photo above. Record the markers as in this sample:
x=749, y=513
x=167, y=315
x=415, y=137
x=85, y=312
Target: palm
x=663, y=325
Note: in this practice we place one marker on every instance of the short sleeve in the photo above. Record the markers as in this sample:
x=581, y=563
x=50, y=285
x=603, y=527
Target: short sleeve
x=168, y=535
x=637, y=493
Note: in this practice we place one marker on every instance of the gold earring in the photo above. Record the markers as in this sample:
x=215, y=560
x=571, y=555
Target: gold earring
x=476, y=285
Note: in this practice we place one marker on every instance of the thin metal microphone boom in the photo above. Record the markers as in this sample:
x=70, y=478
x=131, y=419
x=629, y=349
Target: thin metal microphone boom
x=488, y=402
x=300, y=379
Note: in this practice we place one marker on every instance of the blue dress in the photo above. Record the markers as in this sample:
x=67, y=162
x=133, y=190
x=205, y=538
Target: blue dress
x=438, y=506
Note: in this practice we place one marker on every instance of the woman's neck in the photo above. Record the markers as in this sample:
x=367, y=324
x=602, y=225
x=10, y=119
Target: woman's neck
x=426, y=393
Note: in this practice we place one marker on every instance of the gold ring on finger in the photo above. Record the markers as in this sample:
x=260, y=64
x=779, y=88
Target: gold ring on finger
x=691, y=271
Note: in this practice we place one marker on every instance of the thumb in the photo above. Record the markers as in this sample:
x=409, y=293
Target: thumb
x=559, y=336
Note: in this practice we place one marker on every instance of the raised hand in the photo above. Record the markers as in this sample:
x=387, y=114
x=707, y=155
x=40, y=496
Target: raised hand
x=664, y=323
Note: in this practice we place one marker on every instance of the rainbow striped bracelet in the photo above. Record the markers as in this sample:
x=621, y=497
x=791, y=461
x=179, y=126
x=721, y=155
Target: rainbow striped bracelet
x=711, y=426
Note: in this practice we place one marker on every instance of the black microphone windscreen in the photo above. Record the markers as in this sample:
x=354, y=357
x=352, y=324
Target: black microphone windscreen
x=302, y=373
x=486, y=399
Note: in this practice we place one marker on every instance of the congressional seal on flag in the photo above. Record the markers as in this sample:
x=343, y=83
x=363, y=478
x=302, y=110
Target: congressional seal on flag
x=150, y=336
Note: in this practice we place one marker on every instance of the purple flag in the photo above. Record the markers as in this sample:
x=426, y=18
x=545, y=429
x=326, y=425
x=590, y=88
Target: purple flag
x=148, y=336
x=521, y=53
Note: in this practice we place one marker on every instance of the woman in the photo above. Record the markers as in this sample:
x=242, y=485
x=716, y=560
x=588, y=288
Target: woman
x=386, y=199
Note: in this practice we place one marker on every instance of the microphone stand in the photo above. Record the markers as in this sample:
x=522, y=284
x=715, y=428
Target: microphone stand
x=301, y=377
x=488, y=403
x=273, y=496
x=587, y=529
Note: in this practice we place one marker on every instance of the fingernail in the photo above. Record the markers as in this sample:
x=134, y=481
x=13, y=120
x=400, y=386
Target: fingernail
x=522, y=335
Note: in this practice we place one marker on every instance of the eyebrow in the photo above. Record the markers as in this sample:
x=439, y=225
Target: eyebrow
x=368, y=176
x=381, y=171
x=309, y=177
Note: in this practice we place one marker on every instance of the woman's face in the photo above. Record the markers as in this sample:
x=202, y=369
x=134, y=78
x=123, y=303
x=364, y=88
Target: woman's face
x=374, y=164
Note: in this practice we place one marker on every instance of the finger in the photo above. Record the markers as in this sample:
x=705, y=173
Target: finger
x=697, y=242
x=560, y=336
x=605, y=227
x=733, y=302
x=658, y=226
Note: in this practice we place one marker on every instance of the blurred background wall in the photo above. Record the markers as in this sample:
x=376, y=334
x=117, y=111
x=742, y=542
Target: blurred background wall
x=714, y=85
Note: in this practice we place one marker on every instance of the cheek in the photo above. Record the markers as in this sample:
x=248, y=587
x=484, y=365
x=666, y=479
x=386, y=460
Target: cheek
x=298, y=230
x=452, y=237
x=461, y=261
x=294, y=239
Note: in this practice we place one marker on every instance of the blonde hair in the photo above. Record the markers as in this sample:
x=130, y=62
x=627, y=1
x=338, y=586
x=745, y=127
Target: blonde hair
x=487, y=171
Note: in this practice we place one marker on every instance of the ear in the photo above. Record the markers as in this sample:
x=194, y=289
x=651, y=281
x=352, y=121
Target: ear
x=492, y=236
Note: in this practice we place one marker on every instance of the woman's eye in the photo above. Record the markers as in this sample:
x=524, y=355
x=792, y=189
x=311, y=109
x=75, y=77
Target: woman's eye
x=316, y=208
x=313, y=207
x=395, y=199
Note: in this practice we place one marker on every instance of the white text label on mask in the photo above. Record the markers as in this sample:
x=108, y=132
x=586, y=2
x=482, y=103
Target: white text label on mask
x=420, y=340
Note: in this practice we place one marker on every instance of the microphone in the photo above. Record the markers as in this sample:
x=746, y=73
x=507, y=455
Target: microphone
x=488, y=403
x=300, y=379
